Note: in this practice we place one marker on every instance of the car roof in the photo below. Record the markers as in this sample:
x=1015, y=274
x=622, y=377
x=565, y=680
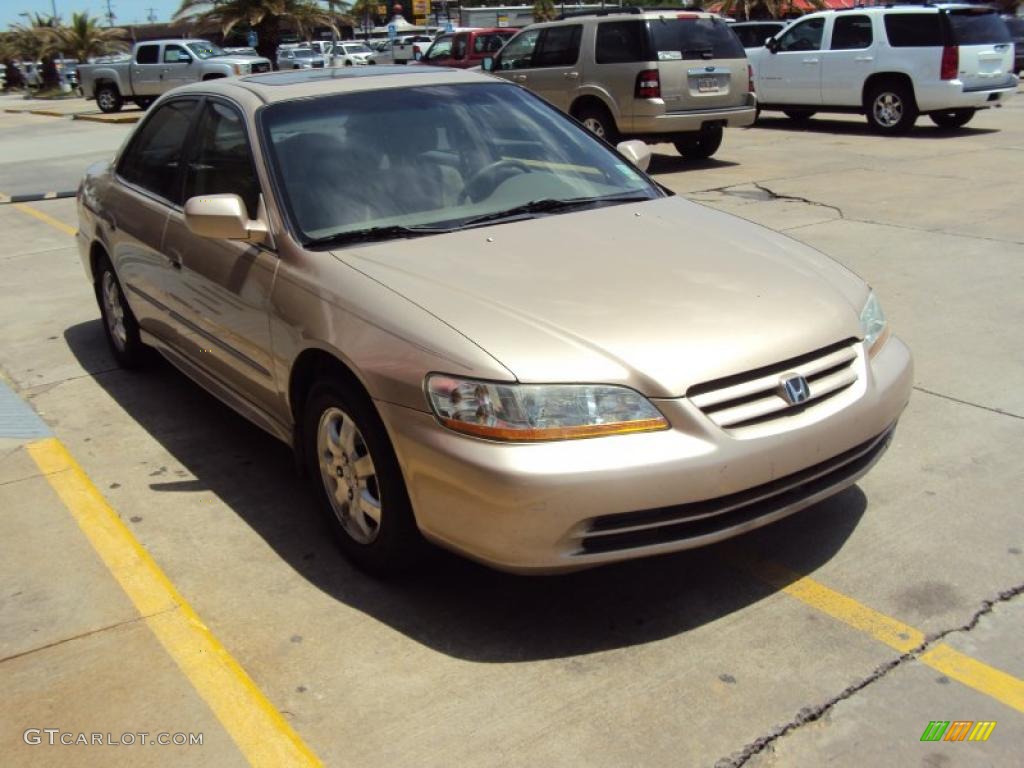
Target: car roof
x=290, y=84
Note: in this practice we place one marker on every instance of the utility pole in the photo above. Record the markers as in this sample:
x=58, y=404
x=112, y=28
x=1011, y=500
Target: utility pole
x=151, y=16
x=110, y=14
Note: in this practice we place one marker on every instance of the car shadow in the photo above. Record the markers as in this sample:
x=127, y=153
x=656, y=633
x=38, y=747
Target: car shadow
x=450, y=604
x=923, y=129
x=677, y=164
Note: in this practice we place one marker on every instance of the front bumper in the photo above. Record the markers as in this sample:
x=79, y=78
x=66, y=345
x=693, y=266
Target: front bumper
x=535, y=508
x=693, y=120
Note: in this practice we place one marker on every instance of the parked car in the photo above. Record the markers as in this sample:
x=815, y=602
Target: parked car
x=889, y=63
x=466, y=48
x=405, y=48
x=158, y=66
x=752, y=34
x=349, y=54
x=442, y=363
x=656, y=75
x=300, y=58
x=1016, y=26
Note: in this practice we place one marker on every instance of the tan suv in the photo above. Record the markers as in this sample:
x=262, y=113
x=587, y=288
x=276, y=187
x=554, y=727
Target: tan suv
x=625, y=73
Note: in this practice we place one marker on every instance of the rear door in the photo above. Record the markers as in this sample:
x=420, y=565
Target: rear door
x=848, y=60
x=554, y=74
x=701, y=62
x=986, y=48
x=147, y=70
x=792, y=75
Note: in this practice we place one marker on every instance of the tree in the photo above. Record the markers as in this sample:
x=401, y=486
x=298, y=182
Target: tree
x=544, y=10
x=267, y=17
x=84, y=38
x=31, y=42
x=759, y=9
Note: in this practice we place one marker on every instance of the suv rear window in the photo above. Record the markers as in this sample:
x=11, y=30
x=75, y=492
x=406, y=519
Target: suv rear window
x=978, y=27
x=619, y=42
x=675, y=39
x=914, y=30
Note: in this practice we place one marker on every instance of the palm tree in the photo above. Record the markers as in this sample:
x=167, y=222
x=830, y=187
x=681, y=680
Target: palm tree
x=84, y=38
x=266, y=17
x=30, y=42
x=544, y=10
x=776, y=9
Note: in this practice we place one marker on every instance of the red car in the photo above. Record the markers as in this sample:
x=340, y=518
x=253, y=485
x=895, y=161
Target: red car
x=466, y=48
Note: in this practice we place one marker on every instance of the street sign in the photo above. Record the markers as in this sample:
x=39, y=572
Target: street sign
x=253, y=39
x=392, y=31
x=449, y=27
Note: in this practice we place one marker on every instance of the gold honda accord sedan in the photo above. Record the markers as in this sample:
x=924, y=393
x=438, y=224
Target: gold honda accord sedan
x=479, y=325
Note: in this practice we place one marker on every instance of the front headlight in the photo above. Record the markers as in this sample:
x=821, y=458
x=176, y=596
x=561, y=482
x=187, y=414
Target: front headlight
x=531, y=412
x=874, y=324
x=241, y=69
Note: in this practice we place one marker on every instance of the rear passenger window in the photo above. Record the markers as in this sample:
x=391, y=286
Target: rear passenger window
x=152, y=160
x=489, y=43
x=558, y=47
x=147, y=54
x=851, y=32
x=619, y=42
x=914, y=30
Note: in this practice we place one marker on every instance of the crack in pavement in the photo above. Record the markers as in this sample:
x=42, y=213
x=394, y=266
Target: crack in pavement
x=811, y=714
x=989, y=408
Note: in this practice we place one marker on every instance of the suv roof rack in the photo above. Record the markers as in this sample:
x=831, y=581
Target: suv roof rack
x=612, y=10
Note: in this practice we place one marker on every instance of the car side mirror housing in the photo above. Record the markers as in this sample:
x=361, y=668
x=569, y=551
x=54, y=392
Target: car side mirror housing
x=487, y=64
x=222, y=217
x=637, y=152
x=772, y=45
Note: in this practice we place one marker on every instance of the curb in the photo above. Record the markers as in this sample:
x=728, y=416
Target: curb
x=105, y=119
x=34, y=197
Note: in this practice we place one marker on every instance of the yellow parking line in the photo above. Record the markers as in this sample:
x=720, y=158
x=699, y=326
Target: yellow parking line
x=259, y=730
x=975, y=674
x=46, y=218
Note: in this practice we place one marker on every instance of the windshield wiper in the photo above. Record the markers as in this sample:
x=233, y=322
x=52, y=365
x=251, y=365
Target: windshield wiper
x=374, y=234
x=548, y=205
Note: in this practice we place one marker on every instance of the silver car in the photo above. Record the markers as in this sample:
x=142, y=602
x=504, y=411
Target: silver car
x=502, y=336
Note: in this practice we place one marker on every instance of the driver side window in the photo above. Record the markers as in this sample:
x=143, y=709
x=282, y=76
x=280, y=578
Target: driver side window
x=518, y=54
x=174, y=53
x=441, y=49
x=804, y=36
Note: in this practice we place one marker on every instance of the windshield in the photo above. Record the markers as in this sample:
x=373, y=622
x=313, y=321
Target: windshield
x=357, y=48
x=205, y=50
x=304, y=53
x=978, y=27
x=1015, y=24
x=697, y=38
x=434, y=156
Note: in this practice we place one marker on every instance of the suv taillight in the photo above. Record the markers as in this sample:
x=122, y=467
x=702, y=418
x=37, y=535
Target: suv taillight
x=648, y=85
x=750, y=79
x=950, y=62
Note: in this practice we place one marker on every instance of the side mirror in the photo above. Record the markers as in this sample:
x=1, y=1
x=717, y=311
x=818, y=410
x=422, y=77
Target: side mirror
x=637, y=152
x=488, y=64
x=222, y=217
x=772, y=44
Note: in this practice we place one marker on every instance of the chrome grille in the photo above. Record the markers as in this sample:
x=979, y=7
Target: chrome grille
x=755, y=397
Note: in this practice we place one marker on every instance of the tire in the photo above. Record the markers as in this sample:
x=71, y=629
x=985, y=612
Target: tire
x=799, y=115
x=700, y=146
x=119, y=323
x=955, y=118
x=370, y=515
x=891, y=109
x=108, y=99
x=599, y=122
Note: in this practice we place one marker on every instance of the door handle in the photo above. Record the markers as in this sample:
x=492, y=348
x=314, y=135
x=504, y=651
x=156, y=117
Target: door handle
x=174, y=258
x=571, y=75
x=519, y=78
x=865, y=58
x=811, y=61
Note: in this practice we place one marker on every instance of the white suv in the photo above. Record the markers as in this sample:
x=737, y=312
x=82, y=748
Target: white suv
x=891, y=64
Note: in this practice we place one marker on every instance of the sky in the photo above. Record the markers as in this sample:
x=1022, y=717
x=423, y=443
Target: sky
x=125, y=11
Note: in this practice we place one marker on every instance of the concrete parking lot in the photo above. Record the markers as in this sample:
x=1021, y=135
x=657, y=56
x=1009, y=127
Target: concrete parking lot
x=164, y=572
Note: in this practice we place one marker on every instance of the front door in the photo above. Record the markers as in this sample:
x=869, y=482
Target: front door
x=179, y=66
x=792, y=75
x=225, y=285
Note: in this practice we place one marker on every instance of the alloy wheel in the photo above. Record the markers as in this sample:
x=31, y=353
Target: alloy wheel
x=114, y=310
x=888, y=109
x=349, y=476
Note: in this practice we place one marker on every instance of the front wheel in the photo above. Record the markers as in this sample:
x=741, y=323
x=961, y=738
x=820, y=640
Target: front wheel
x=599, y=122
x=700, y=146
x=954, y=118
x=108, y=98
x=119, y=324
x=357, y=481
x=799, y=115
x=891, y=109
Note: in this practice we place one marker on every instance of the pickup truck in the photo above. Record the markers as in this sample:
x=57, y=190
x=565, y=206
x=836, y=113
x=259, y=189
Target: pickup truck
x=405, y=48
x=157, y=66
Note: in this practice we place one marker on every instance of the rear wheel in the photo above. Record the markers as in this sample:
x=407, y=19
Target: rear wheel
x=891, y=109
x=954, y=118
x=357, y=481
x=108, y=98
x=700, y=146
x=799, y=115
x=599, y=122
x=119, y=324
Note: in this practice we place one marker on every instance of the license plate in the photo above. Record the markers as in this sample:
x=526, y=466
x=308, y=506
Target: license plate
x=706, y=84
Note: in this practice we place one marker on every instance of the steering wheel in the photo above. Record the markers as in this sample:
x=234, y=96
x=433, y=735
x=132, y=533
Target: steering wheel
x=486, y=180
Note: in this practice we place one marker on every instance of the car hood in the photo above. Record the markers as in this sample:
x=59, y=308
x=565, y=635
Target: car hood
x=657, y=296
x=230, y=59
